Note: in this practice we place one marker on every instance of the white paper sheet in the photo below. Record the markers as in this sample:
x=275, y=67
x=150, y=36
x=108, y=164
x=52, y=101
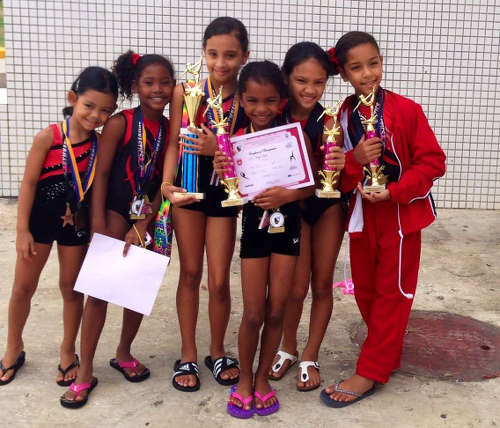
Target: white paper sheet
x=132, y=281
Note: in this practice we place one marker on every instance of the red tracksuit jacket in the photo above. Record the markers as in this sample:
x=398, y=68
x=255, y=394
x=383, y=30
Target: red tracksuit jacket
x=416, y=151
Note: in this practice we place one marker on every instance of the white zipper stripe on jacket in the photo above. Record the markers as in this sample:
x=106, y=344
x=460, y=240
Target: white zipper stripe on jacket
x=407, y=295
x=400, y=232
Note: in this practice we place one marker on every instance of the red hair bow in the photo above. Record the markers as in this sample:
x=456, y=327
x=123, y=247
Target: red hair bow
x=135, y=58
x=331, y=56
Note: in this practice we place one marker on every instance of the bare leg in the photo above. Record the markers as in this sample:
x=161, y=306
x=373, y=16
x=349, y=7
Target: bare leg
x=70, y=261
x=189, y=229
x=295, y=304
x=26, y=278
x=220, y=237
x=281, y=271
x=254, y=273
x=94, y=315
x=327, y=237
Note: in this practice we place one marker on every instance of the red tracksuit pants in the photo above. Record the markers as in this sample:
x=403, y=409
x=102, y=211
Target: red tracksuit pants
x=381, y=262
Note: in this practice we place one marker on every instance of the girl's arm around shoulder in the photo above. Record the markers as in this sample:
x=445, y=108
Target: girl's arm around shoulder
x=107, y=145
x=34, y=163
x=427, y=159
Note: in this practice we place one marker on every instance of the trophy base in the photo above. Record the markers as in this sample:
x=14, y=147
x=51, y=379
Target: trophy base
x=279, y=229
x=196, y=195
x=333, y=194
x=374, y=188
x=232, y=202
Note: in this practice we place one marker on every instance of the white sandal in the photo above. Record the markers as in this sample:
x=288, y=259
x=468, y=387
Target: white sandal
x=304, y=374
x=284, y=356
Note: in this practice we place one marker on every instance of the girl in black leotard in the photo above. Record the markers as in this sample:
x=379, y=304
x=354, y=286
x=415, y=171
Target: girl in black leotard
x=125, y=199
x=52, y=206
x=307, y=68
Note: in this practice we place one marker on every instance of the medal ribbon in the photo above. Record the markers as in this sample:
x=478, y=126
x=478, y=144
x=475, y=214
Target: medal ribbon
x=145, y=170
x=67, y=151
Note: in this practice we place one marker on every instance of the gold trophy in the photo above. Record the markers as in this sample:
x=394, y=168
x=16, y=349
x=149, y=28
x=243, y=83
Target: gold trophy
x=230, y=180
x=376, y=178
x=193, y=96
x=329, y=175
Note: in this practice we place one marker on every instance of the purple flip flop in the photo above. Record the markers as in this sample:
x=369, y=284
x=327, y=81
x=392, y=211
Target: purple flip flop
x=265, y=411
x=239, y=412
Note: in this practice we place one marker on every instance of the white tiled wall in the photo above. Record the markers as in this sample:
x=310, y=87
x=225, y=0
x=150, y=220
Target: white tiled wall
x=444, y=54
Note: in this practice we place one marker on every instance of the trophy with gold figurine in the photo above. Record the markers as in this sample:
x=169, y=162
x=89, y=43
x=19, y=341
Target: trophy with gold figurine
x=193, y=96
x=377, y=179
x=230, y=180
x=329, y=175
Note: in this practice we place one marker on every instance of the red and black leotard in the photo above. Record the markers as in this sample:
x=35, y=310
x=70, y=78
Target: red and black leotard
x=312, y=207
x=122, y=185
x=54, y=190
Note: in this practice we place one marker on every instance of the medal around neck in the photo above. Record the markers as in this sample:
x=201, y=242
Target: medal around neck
x=329, y=176
x=193, y=96
x=229, y=180
x=376, y=179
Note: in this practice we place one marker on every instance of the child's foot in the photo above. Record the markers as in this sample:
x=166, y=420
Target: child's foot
x=244, y=389
x=357, y=384
x=78, y=393
x=281, y=364
x=262, y=389
x=68, y=368
x=186, y=376
x=230, y=373
x=225, y=369
x=132, y=370
x=71, y=396
x=8, y=360
x=308, y=377
x=266, y=402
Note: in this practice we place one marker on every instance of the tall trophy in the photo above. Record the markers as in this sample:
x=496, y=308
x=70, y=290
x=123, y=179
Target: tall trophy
x=377, y=179
x=230, y=180
x=193, y=96
x=329, y=175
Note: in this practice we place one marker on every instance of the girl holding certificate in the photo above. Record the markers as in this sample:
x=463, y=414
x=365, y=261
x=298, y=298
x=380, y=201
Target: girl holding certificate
x=53, y=206
x=205, y=224
x=306, y=69
x=270, y=244
x=125, y=198
x=384, y=225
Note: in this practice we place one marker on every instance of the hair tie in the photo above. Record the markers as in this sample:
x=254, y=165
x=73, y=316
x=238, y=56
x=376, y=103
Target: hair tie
x=333, y=58
x=135, y=57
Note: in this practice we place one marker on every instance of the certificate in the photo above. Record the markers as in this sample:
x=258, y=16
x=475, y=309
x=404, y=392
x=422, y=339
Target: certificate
x=132, y=281
x=272, y=157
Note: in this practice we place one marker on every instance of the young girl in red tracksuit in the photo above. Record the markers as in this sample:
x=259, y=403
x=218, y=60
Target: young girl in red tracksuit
x=385, y=226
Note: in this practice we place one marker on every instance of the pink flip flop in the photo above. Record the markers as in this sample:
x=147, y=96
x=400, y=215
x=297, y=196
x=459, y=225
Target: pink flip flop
x=77, y=389
x=239, y=412
x=265, y=411
x=132, y=365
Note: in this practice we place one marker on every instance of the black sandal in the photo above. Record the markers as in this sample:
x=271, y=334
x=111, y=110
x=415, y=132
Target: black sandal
x=221, y=365
x=183, y=369
x=16, y=366
x=74, y=364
